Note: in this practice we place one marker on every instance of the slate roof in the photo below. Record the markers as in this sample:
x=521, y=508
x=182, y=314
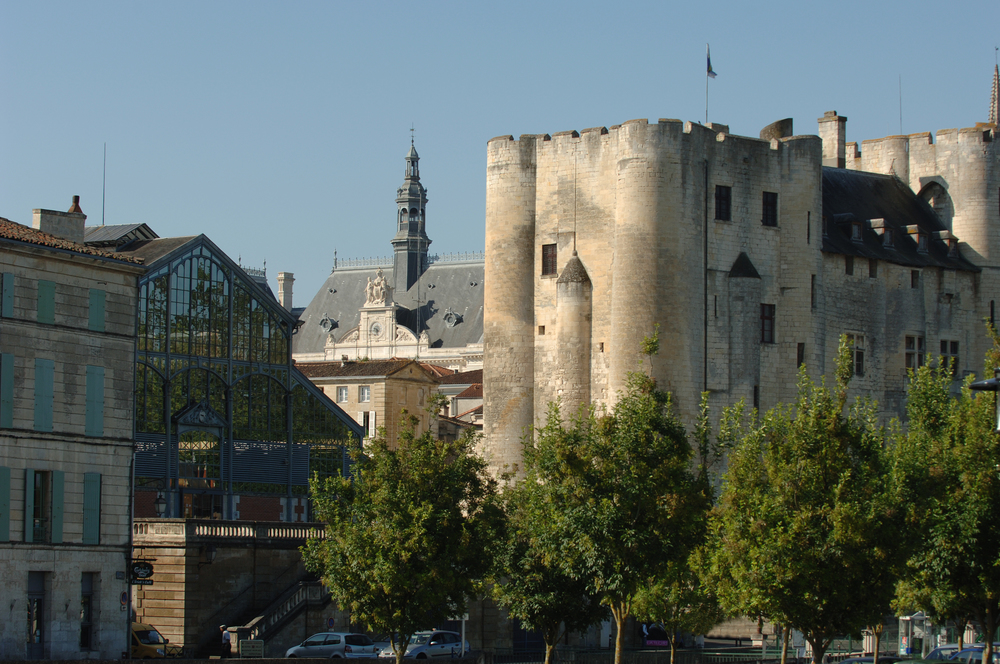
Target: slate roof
x=151, y=251
x=11, y=230
x=457, y=287
x=850, y=196
x=358, y=368
x=117, y=236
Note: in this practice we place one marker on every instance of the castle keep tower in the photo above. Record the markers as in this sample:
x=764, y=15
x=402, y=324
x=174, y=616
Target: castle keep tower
x=411, y=242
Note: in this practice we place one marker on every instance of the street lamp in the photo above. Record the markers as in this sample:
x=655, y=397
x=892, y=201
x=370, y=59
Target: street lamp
x=160, y=504
x=990, y=385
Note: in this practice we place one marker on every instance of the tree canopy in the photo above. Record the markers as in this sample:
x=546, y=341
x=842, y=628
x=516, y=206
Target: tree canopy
x=630, y=503
x=537, y=579
x=949, y=469
x=410, y=535
x=805, y=530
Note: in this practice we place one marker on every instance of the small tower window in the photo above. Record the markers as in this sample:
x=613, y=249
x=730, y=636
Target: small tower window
x=548, y=259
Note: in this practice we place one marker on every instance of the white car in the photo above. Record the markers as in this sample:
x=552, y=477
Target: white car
x=431, y=644
x=334, y=645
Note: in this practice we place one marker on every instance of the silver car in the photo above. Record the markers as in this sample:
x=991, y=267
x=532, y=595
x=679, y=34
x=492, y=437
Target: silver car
x=334, y=645
x=431, y=644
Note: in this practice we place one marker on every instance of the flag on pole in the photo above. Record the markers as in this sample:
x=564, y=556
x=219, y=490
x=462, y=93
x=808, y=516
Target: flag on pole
x=708, y=50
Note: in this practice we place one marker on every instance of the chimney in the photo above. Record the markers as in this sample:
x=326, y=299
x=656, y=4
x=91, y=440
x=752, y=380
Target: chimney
x=285, y=281
x=67, y=225
x=833, y=131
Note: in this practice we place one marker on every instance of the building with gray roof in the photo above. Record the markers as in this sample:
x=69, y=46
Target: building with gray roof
x=427, y=307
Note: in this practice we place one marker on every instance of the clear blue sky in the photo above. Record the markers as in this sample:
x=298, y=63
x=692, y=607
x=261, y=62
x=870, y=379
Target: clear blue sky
x=279, y=129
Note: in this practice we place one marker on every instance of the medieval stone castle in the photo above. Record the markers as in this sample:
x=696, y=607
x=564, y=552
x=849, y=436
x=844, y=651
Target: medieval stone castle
x=753, y=256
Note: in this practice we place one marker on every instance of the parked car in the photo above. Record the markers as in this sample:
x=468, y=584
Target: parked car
x=943, y=652
x=869, y=659
x=973, y=654
x=334, y=645
x=383, y=641
x=147, y=643
x=432, y=643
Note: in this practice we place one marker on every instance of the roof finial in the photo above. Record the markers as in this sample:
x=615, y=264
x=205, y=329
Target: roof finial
x=411, y=134
x=995, y=95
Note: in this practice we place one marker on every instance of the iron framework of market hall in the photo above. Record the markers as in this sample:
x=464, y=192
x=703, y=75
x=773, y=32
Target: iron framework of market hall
x=226, y=426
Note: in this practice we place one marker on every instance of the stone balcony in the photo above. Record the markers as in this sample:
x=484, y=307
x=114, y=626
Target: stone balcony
x=184, y=532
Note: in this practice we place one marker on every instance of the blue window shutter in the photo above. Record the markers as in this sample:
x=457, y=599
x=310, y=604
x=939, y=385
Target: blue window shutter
x=57, y=506
x=7, y=298
x=95, y=401
x=96, y=311
x=44, y=371
x=4, y=504
x=91, y=508
x=7, y=390
x=46, y=302
x=29, y=505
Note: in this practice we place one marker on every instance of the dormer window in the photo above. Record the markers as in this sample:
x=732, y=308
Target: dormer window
x=919, y=236
x=887, y=239
x=856, y=232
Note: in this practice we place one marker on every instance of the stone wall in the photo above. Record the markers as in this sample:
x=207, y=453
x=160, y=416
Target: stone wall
x=65, y=454
x=253, y=563
x=637, y=204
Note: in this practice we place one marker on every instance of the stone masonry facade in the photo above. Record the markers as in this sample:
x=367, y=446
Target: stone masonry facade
x=67, y=337
x=724, y=242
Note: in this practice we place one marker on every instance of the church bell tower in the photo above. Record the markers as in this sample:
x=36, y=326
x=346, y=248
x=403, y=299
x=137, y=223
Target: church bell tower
x=410, y=242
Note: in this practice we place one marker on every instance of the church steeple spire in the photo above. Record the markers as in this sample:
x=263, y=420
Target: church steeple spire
x=995, y=97
x=410, y=242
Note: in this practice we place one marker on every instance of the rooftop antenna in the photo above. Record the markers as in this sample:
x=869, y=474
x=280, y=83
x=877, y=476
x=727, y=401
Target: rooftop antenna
x=900, y=104
x=104, y=185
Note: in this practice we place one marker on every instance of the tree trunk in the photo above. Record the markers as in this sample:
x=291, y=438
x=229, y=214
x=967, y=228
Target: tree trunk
x=991, y=628
x=673, y=647
x=785, y=630
x=549, y=649
x=877, y=631
x=961, y=632
x=620, y=613
x=819, y=649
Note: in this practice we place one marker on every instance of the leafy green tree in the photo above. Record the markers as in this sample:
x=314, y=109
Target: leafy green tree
x=630, y=503
x=806, y=528
x=949, y=465
x=677, y=598
x=680, y=602
x=537, y=580
x=410, y=536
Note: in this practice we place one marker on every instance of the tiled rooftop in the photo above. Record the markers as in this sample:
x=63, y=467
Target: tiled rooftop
x=12, y=230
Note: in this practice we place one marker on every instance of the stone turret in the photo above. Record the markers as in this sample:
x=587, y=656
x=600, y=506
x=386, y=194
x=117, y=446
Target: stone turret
x=574, y=320
x=411, y=242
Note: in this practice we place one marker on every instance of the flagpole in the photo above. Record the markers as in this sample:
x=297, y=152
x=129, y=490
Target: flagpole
x=706, y=99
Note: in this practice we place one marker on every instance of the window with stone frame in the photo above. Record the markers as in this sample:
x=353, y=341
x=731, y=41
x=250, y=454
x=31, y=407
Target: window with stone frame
x=364, y=393
x=769, y=209
x=857, y=343
x=872, y=268
x=914, y=347
x=767, y=323
x=849, y=265
x=342, y=394
x=723, y=203
x=549, y=264
x=949, y=356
